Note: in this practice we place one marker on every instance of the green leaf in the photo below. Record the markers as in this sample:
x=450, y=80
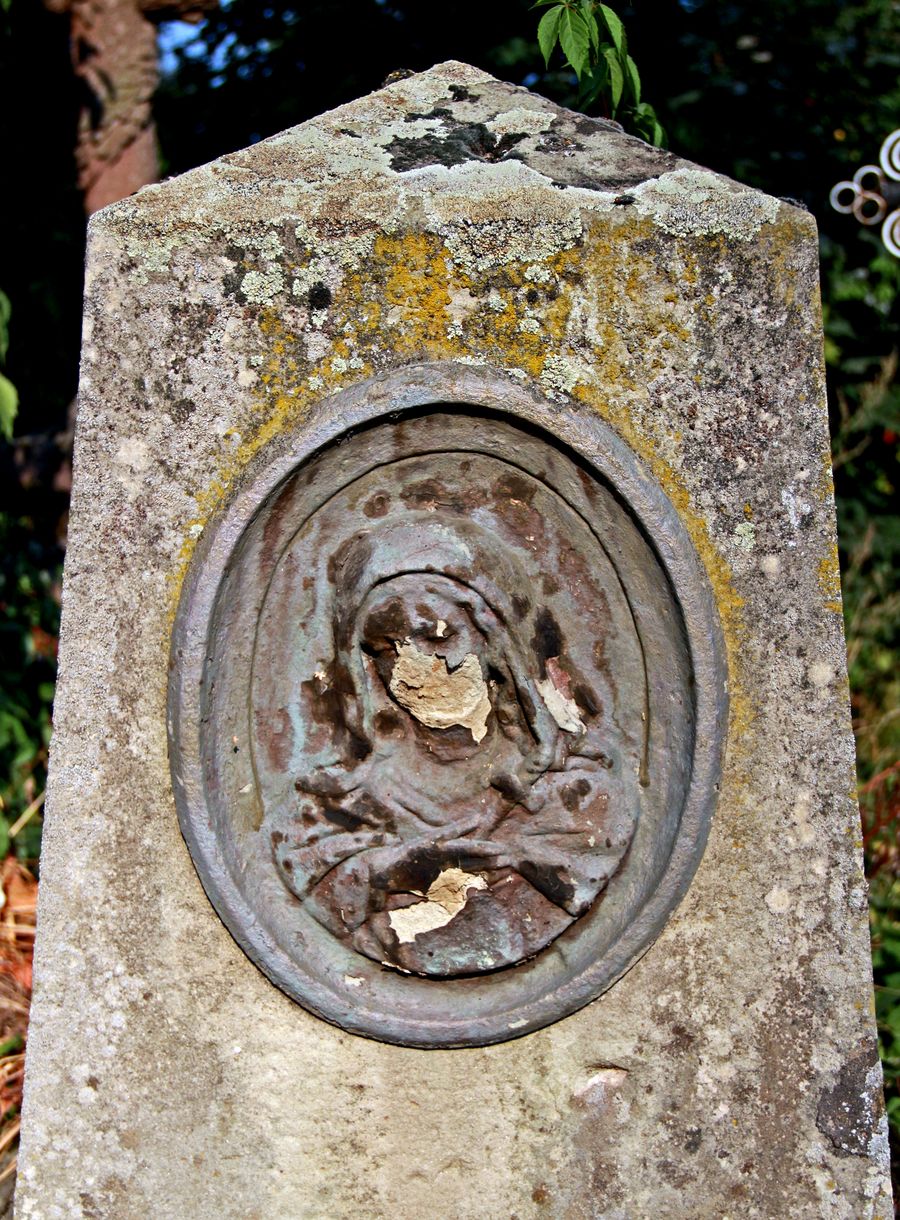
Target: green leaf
x=593, y=85
x=548, y=32
x=633, y=79
x=616, y=78
x=615, y=27
x=575, y=41
x=5, y=311
x=546, y=3
x=9, y=406
x=587, y=12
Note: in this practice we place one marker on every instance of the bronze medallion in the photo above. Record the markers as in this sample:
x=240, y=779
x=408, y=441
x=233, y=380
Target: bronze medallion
x=436, y=719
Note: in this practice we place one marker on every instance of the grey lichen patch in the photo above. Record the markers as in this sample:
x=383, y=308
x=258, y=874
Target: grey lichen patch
x=266, y=242
x=693, y=202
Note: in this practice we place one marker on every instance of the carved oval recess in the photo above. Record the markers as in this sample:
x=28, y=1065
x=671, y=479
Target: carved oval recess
x=446, y=712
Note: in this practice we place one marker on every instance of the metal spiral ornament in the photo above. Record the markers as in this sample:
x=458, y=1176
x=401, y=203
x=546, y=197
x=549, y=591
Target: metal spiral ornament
x=890, y=156
x=873, y=194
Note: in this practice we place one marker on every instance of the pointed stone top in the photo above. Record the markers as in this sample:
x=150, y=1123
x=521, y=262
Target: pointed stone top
x=452, y=131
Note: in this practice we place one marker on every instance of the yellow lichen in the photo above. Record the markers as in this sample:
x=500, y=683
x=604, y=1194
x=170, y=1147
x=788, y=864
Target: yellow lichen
x=829, y=576
x=396, y=310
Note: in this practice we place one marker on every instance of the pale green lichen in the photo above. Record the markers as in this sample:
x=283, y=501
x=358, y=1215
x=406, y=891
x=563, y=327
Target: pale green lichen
x=520, y=120
x=694, y=202
x=266, y=242
x=492, y=215
x=563, y=374
x=153, y=256
x=261, y=287
x=745, y=535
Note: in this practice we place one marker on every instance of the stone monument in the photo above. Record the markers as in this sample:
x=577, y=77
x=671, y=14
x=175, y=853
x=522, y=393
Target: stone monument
x=452, y=791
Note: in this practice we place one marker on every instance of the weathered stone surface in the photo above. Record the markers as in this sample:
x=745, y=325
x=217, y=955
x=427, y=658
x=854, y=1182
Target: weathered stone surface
x=450, y=219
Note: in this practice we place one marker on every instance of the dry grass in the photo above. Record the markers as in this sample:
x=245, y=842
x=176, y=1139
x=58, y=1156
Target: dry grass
x=18, y=889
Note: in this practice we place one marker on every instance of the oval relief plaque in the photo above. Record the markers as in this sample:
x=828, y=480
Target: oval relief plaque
x=446, y=702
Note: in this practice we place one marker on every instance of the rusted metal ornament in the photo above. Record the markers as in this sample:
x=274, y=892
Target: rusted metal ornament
x=447, y=710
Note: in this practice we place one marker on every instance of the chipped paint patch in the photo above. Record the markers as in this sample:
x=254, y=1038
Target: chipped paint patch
x=440, y=697
x=554, y=690
x=599, y=1088
x=444, y=899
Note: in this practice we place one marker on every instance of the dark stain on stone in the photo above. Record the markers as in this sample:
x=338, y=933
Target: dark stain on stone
x=682, y=1039
x=458, y=142
x=572, y=794
x=849, y=1113
x=439, y=112
x=587, y=699
x=549, y=882
x=587, y=126
x=231, y=283
x=547, y=641
x=377, y=505
x=388, y=722
x=693, y=1139
x=348, y=561
x=276, y=733
x=274, y=521
x=460, y=93
x=432, y=494
x=514, y=487
x=345, y=818
x=521, y=605
x=182, y=410
x=319, y=296
x=384, y=626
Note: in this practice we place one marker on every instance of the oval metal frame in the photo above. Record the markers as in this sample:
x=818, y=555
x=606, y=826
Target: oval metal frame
x=582, y=431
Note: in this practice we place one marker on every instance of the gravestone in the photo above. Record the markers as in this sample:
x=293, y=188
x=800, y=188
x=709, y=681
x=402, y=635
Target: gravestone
x=452, y=795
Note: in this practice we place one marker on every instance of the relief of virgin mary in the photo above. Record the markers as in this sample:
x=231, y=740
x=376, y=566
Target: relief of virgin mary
x=467, y=804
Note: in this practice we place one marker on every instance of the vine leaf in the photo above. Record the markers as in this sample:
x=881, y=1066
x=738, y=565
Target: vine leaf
x=9, y=406
x=575, y=41
x=547, y=33
x=615, y=27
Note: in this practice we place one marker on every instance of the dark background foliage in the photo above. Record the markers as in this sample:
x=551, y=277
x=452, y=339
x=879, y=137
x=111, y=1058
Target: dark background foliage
x=787, y=95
